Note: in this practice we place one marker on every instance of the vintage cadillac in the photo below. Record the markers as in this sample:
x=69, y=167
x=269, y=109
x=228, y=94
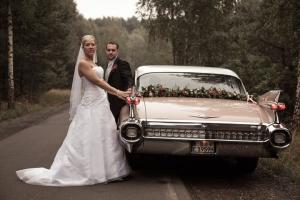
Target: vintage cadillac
x=191, y=110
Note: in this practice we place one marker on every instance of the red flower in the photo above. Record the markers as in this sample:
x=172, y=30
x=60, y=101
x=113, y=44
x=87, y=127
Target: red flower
x=114, y=67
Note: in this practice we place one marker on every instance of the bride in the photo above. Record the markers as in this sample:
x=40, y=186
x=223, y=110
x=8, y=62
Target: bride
x=90, y=153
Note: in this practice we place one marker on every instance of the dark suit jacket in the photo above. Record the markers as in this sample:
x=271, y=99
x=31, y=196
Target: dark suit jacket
x=121, y=78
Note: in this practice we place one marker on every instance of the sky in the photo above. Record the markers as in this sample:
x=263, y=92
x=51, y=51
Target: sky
x=106, y=8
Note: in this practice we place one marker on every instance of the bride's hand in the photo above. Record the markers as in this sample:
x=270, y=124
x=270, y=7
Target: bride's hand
x=129, y=90
x=123, y=94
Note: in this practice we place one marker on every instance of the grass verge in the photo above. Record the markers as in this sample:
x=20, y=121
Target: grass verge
x=51, y=98
x=288, y=163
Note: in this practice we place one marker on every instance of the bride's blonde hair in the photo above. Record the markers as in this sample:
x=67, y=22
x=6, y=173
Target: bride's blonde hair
x=86, y=38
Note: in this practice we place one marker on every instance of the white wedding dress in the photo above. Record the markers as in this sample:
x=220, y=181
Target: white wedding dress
x=91, y=152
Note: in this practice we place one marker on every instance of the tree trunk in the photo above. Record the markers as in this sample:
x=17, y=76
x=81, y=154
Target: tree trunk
x=296, y=115
x=1, y=89
x=11, y=100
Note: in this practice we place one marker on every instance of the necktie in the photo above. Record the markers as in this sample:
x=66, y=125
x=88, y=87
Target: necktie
x=108, y=70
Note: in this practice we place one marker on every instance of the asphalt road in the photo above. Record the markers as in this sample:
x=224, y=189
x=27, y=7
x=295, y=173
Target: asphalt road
x=36, y=147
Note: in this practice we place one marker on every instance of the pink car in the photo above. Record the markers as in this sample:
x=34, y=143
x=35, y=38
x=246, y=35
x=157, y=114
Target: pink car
x=191, y=110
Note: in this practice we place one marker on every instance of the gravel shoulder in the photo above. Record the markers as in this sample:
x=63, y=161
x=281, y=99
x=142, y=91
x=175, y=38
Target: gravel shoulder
x=218, y=180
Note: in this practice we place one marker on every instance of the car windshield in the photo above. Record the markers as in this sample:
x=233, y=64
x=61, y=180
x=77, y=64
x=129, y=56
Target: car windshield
x=191, y=85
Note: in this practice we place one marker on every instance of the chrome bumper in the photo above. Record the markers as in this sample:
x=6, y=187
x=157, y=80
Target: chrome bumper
x=153, y=146
x=229, y=140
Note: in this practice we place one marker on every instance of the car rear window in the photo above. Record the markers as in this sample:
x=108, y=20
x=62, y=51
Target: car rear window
x=214, y=85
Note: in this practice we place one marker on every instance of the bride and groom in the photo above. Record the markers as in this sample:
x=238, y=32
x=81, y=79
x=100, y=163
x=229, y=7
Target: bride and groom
x=90, y=152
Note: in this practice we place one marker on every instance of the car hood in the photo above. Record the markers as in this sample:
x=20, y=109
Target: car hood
x=202, y=109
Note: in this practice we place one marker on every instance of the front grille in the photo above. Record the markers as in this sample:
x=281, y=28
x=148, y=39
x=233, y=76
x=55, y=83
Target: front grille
x=197, y=134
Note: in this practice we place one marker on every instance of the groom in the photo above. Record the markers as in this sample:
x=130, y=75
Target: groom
x=117, y=74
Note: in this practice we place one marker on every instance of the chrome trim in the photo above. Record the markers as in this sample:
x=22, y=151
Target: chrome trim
x=130, y=145
x=131, y=112
x=206, y=131
x=279, y=127
x=148, y=121
x=159, y=124
x=141, y=70
x=205, y=126
x=204, y=139
x=135, y=123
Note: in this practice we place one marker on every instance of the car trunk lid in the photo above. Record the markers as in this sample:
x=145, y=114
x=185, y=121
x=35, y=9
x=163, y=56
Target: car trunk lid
x=201, y=109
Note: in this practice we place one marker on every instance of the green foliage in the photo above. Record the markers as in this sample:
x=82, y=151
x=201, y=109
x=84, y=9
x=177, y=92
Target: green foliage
x=198, y=30
x=47, y=37
x=48, y=99
x=54, y=97
x=21, y=108
x=257, y=39
x=288, y=163
x=43, y=45
x=133, y=40
x=266, y=48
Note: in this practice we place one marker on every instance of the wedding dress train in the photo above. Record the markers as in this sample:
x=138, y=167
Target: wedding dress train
x=90, y=153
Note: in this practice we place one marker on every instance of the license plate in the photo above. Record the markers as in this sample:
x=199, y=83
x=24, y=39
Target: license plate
x=203, y=147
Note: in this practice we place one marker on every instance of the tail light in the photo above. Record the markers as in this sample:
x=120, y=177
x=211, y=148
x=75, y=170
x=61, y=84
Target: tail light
x=274, y=106
x=128, y=100
x=281, y=106
x=133, y=100
x=277, y=106
x=136, y=101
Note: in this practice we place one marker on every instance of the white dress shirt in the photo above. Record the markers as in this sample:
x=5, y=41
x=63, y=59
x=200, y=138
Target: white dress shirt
x=108, y=69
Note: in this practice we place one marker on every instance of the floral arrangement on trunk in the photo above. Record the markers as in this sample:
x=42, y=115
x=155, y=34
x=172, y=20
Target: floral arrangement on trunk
x=159, y=91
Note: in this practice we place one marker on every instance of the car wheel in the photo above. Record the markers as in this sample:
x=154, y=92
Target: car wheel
x=246, y=165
